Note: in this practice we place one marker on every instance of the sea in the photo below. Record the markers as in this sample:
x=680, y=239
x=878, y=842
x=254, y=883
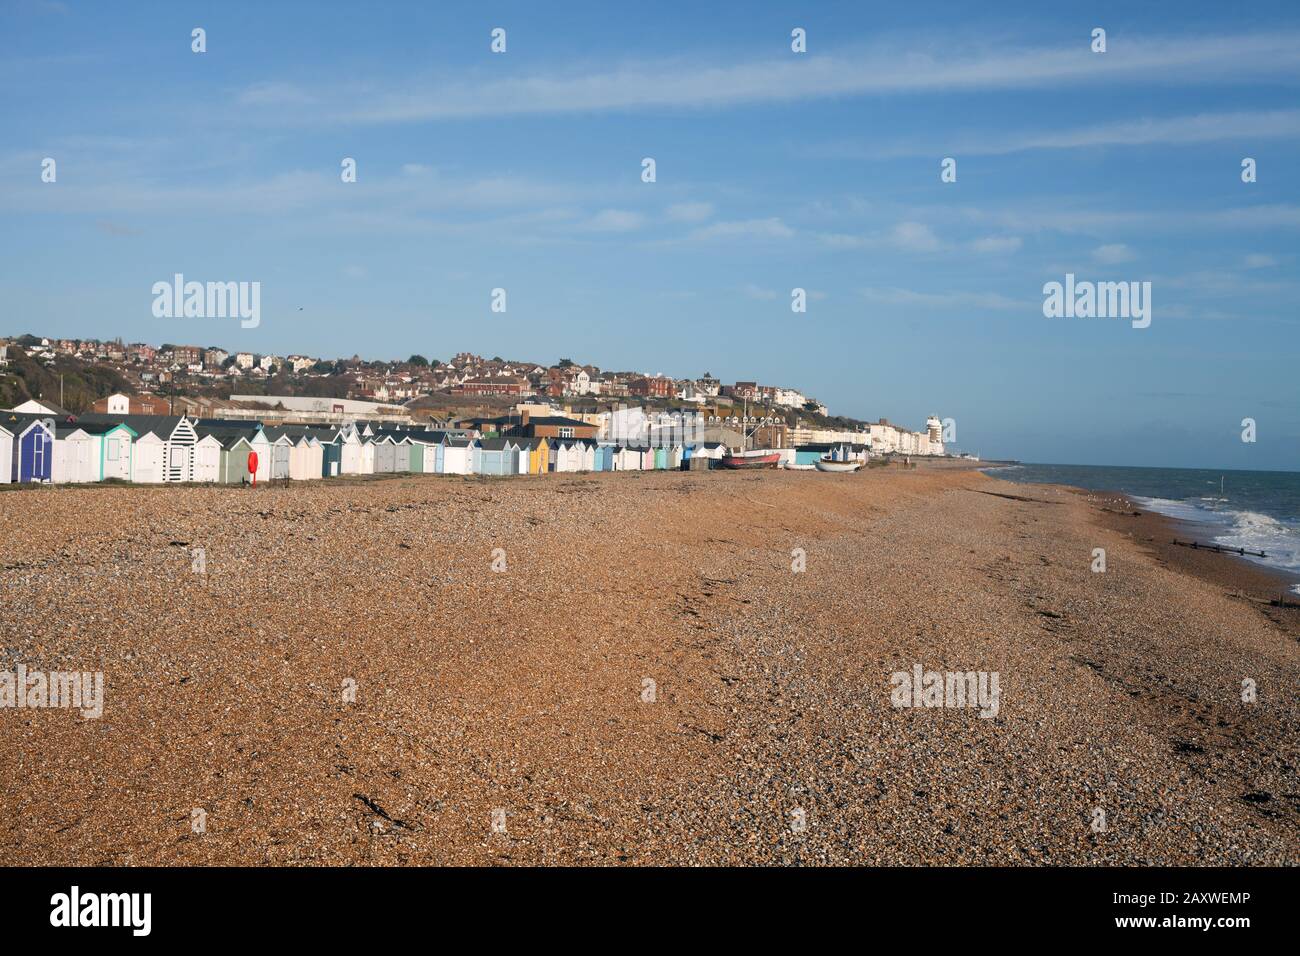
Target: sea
x=1256, y=510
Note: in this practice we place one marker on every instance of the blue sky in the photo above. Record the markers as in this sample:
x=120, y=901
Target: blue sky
x=774, y=171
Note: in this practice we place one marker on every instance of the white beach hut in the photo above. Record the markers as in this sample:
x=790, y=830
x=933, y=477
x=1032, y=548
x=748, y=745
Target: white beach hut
x=207, y=459
x=6, y=455
x=457, y=457
x=150, y=453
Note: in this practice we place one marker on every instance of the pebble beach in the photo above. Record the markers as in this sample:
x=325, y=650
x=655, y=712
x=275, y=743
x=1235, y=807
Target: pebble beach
x=651, y=668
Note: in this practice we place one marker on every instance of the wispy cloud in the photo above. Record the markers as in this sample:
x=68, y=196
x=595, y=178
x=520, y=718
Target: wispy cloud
x=689, y=211
x=614, y=220
x=1168, y=131
x=851, y=72
x=997, y=245
x=771, y=228
x=942, y=300
x=915, y=237
x=1113, y=254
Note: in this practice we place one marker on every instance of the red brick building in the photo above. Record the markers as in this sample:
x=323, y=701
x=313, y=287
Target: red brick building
x=494, y=385
x=651, y=387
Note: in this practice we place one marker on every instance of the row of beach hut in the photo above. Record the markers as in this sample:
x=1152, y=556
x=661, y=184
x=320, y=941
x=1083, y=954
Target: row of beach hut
x=160, y=448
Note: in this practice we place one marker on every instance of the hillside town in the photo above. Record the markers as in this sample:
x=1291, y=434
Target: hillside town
x=142, y=413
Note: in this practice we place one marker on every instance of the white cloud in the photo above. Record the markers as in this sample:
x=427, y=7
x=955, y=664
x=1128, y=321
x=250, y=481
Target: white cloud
x=1257, y=260
x=772, y=228
x=757, y=292
x=1113, y=254
x=887, y=68
x=1174, y=130
x=689, y=211
x=942, y=300
x=614, y=220
x=997, y=244
x=275, y=94
x=915, y=237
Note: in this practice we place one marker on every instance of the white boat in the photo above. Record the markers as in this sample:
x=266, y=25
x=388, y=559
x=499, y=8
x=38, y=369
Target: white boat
x=791, y=466
x=829, y=464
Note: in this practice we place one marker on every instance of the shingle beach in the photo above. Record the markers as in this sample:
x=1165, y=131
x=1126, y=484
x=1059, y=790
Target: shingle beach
x=644, y=679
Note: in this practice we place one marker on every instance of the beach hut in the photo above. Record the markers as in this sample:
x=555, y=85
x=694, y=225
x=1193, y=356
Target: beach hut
x=150, y=454
x=33, y=449
x=76, y=455
x=424, y=452
x=523, y=455
x=661, y=458
x=603, y=458
x=458, y=456
x=349, y=450
x=179, y=451
x=587, y=451
x=366, y=457
x=403, y=459
x=207, y=459
x=279, y=453
x=385, y=455
x=116, y=449
x=304, y=457
x=415, y=454
x=6, y=454
x=331, y=451
x=627, y=458
x=647, y=459
x=235, y=448
x=539, y=457
x=565, y=455
x=491, y=456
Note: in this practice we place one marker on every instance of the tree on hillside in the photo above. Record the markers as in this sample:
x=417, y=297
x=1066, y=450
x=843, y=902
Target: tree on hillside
x=418, y=360
x=565, y=363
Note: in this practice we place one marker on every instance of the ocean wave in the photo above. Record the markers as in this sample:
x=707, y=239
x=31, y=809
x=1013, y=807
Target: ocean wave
x=1259, y=532
x=1182, y=510
x=1233, y=528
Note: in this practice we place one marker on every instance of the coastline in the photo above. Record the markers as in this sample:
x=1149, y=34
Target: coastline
x=1253, y=580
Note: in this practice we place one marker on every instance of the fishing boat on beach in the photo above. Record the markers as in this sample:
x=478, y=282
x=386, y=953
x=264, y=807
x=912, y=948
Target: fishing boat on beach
x=751, y=461
x=830, y=464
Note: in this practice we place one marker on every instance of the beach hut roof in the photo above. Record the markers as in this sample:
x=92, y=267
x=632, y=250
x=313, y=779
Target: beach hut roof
x=161, y=425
